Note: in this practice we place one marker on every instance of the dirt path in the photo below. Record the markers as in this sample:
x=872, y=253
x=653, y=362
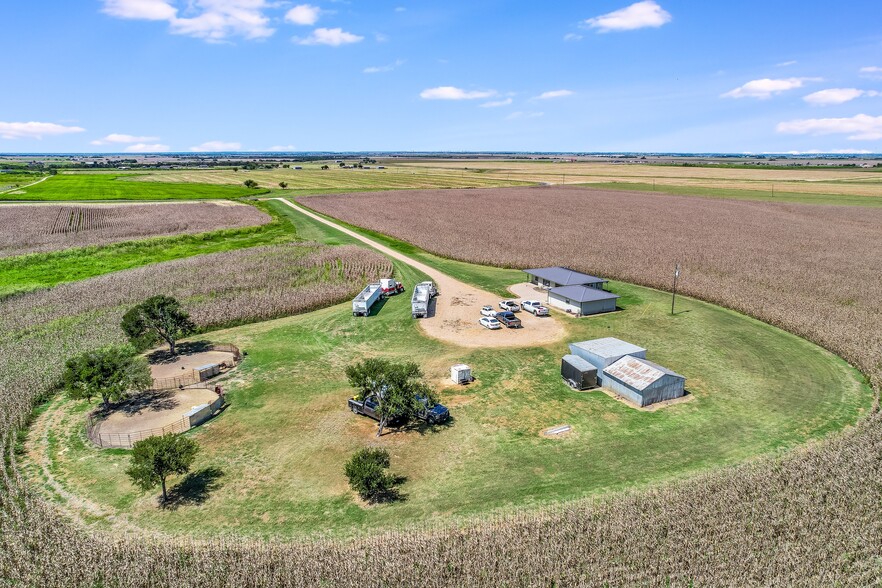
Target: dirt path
x=25, y=186
x=458, y=307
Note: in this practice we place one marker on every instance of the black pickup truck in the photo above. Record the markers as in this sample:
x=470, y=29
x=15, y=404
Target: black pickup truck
x=508, y=319
x=431, y=413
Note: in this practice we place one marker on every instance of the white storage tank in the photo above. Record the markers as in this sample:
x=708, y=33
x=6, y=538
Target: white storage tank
x=461, y=374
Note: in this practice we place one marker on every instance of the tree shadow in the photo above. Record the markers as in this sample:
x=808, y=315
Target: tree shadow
x=161, y=356
x=392, y=493
x=155, y=400
x=195, y=488
x=424, y=428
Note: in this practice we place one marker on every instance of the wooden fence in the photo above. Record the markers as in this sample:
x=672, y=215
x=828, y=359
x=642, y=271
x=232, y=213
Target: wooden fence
x=193, y=378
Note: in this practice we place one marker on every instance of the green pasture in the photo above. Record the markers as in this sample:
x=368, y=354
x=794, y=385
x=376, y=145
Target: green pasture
x=122, y=187
x=272, y=464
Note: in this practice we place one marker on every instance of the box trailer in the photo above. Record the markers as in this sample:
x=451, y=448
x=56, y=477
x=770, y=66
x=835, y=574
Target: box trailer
x=419, y=302
x=578, y=372
x=361, y=304
x=461, y=374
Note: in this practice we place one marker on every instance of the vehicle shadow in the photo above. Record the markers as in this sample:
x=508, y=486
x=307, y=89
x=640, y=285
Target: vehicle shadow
x=195, y=488
x=377, y=306
x=424, y=428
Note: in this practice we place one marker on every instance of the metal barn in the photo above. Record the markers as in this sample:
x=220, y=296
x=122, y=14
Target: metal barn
x=642, y=381
x=582, y=300
x=578, y=373
x=604, y=352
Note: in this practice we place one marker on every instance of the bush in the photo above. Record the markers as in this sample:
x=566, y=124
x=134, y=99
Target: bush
x=367, y=474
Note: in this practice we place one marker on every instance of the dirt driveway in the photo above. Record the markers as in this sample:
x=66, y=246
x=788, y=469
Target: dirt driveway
x=458, y=307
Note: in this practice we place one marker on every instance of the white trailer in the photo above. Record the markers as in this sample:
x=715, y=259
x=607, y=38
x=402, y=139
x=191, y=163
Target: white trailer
x=361, y=304
x=419, y=302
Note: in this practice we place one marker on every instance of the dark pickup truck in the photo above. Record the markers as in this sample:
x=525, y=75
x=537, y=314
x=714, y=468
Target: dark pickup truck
x=434, y=414
x=508, y=319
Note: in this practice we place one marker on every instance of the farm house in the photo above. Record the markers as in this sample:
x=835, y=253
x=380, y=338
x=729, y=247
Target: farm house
x=572, y=291
x=642, y=381
x=604, y=352
x=554, y=277
x=582, y=300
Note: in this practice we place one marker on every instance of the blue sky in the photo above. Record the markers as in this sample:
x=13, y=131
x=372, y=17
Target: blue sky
x=595, y=75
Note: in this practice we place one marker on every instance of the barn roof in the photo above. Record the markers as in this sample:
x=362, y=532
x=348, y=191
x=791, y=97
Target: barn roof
x=608, y=347
x=563, y=276
x=638, y=373
x=583, y=293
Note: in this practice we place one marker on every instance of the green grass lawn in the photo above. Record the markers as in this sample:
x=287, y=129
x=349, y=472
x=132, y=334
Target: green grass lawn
x=282, y=444
x=40, y=270
x=121, y=187
x=766, y=194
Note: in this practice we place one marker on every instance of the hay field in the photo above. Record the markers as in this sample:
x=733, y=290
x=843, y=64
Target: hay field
x=848, y=181
x=312, y=177
x=30, y=228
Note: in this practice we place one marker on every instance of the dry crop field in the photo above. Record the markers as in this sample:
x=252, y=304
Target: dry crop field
x=846, y=181
x=812, y=270
x=38, y=228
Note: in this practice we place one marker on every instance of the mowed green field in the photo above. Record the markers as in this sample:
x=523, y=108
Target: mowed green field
x=122, y=187
x=276, y=455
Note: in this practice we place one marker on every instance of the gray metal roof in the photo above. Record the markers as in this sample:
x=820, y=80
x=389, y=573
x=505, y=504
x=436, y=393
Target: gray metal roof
x=582, y=293
x=563, y=276
x=637, y=372
x=580, y=364
x=608, y=347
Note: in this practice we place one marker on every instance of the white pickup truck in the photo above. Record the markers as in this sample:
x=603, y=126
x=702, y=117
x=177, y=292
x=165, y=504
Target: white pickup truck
x=535, y=307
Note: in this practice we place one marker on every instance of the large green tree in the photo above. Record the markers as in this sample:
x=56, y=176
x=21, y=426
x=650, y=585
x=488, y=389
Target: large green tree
x=157, y=318
x=156, y=458
x=111, y=373
x=396, y=387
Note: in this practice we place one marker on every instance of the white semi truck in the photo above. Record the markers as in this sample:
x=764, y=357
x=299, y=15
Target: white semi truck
x=419, y=302
x=361, y=304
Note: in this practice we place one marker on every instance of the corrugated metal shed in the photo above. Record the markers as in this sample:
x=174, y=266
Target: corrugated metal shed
x=583, y=293
x=638, y=372
x=607, y=348
x=564, y=276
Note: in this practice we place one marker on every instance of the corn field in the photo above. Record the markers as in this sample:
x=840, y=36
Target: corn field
x=807, y=518
x=39, y=228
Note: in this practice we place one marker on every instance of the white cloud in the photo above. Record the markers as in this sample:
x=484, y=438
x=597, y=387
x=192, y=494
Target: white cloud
x=873, y=72
x=140, y=9
x=837, y=96
x=217, y=146
x=831, y=152
x=147, y=148
x=496, y=103
x=572, y=37
x=400, y=9
x=861, y=127
x=520, y=114
x=332, y=37
x=554, y=94
x=121, y=138
x=381, y=38
x=212, y=20
x=786, y=63
x=383, y=68
x=282, y=148
x=303, y=14
x=766, y=88
x=454, y=93
x=636, y=16
x=34, y=130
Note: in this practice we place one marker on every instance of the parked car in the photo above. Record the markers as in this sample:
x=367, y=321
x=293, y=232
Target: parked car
x=488, y=322
x=535, y=307
x=487, y=311
x=510, y=305
x=431, y=413
x=508, y=319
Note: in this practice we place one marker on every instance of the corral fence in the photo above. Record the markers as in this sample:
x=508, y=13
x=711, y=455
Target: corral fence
x=195, y=377
x=127, y=440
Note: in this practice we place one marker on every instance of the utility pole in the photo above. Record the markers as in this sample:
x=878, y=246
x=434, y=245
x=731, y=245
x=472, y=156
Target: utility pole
x=674, y=294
